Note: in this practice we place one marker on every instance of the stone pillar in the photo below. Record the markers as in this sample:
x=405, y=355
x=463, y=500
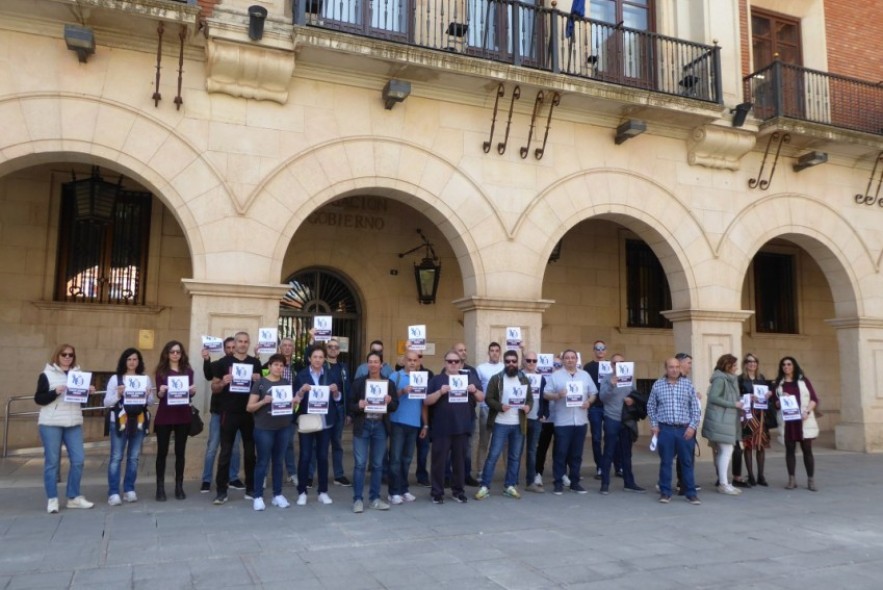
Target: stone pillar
x=706, y=334
x=860, y=341
x=485, y=320
x=222, y=309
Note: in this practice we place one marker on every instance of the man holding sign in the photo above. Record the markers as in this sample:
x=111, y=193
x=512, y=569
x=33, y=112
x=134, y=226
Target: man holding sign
x=570, y=391
x=232, y=383
x=451, y=404
x=509, y=399
x=411, y=384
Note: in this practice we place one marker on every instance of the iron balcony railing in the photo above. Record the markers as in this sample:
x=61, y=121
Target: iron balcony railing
x=526, y=35
x=784, y=90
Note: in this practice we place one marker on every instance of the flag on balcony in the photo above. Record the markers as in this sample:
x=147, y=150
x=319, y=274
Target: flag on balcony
x=577, y=9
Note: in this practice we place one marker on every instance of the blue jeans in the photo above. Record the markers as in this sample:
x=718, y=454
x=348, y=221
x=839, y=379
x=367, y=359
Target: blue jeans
x=372, y=440
x=122, y=443
x=313, y=443
x=568, y=453
x=670, y=441
x=596, y=423
x=270, y=445
x=617, y=440
x=52, y=437
x=211, y=450
x=534, y=428
x=401, y=451
x=503, y=433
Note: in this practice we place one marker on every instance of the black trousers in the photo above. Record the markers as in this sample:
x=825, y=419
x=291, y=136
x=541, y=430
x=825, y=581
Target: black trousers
x=230, y=424
x=547, y=433
x=441, y=446
x=163, y=436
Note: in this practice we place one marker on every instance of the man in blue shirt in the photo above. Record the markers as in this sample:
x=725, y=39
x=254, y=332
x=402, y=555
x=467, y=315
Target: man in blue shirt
x=406, y=428
x=674, y=415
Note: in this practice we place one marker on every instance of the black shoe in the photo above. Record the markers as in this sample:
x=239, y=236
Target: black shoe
x=741, y=484
x=619, y=473
x=635, y=489
x=472, y=482
x=236, y=484
x=604, y=490
x=578, y=489
x=205, y=488
x=179, y=492
x=343, y=481
x=249, y=494
x=424, y=483
x=694, y=500
x=461, y=498
x=310, y=483
x=559, y=489
x=761, y=481
x=160, y=493
x=438, y=500
x=663, y=499
x=220, y=499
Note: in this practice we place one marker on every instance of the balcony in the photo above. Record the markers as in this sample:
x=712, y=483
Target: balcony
x=786, y=91
x=542, y=39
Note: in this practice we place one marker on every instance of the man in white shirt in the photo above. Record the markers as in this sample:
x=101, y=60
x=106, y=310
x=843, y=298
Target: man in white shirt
x=485, y=371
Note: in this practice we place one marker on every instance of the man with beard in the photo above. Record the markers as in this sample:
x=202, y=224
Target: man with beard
x=509, y=399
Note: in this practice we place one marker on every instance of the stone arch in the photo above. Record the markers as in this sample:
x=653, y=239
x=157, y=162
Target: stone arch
x=631, y=200
x=814, y=226
x=44, y=127
x=394, y=169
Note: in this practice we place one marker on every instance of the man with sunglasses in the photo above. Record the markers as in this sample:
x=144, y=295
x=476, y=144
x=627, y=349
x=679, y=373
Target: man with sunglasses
x=596, y=410
x=534, y=425
x=450, y=424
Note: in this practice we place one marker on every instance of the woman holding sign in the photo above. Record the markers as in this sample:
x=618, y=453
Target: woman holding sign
x=174, y=381
x=797, y=400
x=61, y=421
x=722, y=425
x=373, y=397
x=272, y=403
x=129, y=392
x=756, y=430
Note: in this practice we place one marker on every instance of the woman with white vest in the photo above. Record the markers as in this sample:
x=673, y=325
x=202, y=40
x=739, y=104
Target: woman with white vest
x=61, y=422
x=792, y=382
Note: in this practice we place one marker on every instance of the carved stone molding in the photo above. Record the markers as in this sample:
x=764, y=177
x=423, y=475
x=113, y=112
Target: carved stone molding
x=248, y=71
x=718, y=147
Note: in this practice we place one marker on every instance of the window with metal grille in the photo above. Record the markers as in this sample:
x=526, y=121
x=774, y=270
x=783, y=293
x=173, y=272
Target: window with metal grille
x=647, y=289
x=775, y=293
x=103, y=262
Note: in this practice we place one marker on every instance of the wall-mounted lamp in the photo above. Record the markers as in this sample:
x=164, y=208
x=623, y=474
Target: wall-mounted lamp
x=810, y=159
x=395, y=91
x=80, y=40
x=427, y=273
x=740, y=113
x=257, y=14
x=95, y=198
x=630, y=129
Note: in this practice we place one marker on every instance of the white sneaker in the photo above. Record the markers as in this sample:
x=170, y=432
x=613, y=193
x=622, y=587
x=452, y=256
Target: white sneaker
x=293, y=480
x=325, y=498
x=538, y=480
x=259, y=505
x=379, y=504
x=52, y=506
x=114, y=500
x=79, y=502
x=281, y=501
x=395, y=500
x=358, y=507
x=566, y=481
x=409, y=497
x=302, y=500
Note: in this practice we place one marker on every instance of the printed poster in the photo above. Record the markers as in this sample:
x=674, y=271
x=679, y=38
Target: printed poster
x=418, y=380
x=375, y=396
x=178, y=392
x=78, y=383
x=283, y=400
x=318, y=400
x=417, y=337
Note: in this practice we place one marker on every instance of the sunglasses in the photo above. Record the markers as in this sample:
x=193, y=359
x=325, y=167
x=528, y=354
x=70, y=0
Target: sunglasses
x=68, y=355
x=452, y=361
x=600, y=348
x=511, y=361
x=530, y=360
x=175, y=352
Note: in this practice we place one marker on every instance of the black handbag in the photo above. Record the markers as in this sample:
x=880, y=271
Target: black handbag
x=196, y=424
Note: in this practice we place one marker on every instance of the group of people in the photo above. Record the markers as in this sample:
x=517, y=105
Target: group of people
x=505, y=400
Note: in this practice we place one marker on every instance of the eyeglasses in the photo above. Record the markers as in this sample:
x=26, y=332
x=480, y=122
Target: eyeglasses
x=601, y=348
x=69, y=355
x=530, y=360
x=511, y=361
x=452, y=361
x=174, y=352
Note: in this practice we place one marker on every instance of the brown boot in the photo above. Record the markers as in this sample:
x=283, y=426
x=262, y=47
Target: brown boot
x=811, y=485
x=792, y=483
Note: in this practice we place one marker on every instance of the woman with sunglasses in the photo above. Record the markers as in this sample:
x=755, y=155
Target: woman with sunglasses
x=129, y=422
x=791, y=382
x=175, y=418
x=755, y=430
x=61, y=422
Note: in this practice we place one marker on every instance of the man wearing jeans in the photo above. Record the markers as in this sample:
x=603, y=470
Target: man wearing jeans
x=405, y=431
x=509, y=399
x=674, y=415
x=214, y=429
x=570, y=392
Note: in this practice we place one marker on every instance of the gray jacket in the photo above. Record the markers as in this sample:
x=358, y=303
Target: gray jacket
x=722, y=422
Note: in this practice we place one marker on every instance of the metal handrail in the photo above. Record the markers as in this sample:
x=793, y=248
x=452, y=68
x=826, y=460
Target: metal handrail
x=19, y=398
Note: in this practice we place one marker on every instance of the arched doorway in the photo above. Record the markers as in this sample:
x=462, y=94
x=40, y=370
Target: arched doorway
x=321, y=291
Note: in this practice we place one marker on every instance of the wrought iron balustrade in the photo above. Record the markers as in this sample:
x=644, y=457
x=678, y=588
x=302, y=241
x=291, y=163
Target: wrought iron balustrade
x=522, y=34
x=785, y=90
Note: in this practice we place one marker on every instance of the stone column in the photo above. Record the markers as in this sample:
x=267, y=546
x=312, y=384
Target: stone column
x=485, y=320
x=706, y=334
x=860, y=341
